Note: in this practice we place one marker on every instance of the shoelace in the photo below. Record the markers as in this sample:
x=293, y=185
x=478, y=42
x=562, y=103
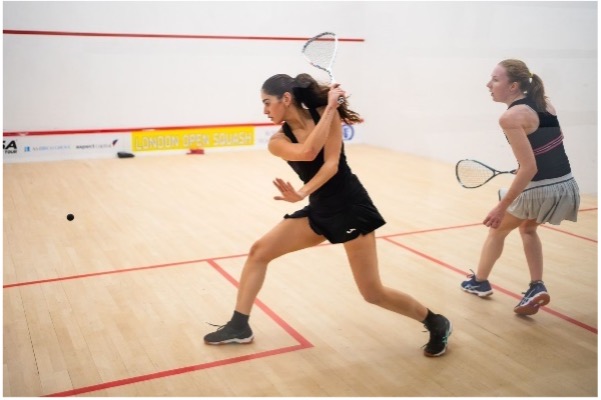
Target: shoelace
x=531, y=288
x=219, y=327
x=434, y=338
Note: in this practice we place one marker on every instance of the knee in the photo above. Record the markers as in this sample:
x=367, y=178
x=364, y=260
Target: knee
x=259, y=252
x=498, y=233
x=527, y=230
x=373, y=295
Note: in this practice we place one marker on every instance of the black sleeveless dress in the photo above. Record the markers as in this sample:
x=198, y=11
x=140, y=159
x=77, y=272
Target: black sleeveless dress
x=552, y=195
x=341, y=208
x=547, y=144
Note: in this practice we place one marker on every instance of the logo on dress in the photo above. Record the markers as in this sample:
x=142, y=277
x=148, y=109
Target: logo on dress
x=348, y=132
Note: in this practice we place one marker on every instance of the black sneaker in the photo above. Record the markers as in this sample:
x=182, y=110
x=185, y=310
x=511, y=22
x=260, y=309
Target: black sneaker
x=227, y=334
x=534, y=298
x=440, y=330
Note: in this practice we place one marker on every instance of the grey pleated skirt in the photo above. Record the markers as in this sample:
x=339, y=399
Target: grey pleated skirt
x=550, y=200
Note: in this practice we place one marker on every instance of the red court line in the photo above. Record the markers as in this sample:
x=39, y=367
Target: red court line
x=499, y=288
x=303, y=344
x=121, y=130
x=117, y=271
x=161, y=35
x=479, y=224
x=292, y=332
x=569, y=233
x=429, y=230
x=176, y=371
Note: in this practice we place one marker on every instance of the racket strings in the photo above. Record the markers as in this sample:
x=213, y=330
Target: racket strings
x=320, y=51
x=472, y=174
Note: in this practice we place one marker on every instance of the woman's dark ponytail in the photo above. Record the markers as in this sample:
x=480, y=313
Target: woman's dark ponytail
x=308, y=93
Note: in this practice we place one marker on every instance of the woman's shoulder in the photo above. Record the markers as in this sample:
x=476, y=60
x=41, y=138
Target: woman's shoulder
x=278, y=135
x=551, y=108
x=518, y=115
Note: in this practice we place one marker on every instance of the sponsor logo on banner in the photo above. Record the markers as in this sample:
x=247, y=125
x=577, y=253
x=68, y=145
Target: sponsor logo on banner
x=184, y=139
x=105, y=144
x=9, y=146
x=55, y=147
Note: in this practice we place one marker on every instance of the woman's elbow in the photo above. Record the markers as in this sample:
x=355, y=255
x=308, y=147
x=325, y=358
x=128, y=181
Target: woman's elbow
x=332, y=169
x=309, y=154
x=530, y=170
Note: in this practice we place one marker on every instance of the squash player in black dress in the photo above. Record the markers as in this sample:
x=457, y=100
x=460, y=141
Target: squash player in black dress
x=339, y=210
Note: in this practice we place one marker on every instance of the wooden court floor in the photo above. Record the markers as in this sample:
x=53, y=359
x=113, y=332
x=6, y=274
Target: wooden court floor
x=116, y=302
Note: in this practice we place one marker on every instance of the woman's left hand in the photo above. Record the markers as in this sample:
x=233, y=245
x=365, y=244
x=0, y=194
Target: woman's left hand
x=287, y=191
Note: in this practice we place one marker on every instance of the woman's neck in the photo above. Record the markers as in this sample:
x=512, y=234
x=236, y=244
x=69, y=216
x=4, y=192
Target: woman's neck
x=298, y=118
x=519, y=96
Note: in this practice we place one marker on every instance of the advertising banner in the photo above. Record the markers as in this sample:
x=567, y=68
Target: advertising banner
x=28, y=148
x=61, y=146
x=185, y=139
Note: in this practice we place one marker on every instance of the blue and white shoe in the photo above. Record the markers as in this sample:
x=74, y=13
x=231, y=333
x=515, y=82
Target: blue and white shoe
x=482, y=289
x=534, y=298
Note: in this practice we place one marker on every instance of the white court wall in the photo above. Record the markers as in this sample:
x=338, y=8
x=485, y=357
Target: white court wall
x=434, y=60
x=65, y=82
x=418, y=79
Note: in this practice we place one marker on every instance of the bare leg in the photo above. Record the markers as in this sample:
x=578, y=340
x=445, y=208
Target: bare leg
x=289, y=235
x=493, y=245
x=362, y=256
x=533, y=249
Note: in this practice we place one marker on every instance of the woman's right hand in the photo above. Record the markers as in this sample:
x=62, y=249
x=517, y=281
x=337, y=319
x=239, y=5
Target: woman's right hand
x=334, y=94
x=288, y=192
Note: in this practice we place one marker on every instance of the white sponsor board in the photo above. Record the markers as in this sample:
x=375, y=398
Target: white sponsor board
x=31, y=148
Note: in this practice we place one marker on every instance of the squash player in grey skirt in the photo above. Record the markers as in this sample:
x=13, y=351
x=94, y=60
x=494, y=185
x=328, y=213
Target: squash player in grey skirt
x=543, y=190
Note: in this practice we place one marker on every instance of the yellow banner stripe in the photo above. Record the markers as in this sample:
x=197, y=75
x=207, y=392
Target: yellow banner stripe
x=183, y=139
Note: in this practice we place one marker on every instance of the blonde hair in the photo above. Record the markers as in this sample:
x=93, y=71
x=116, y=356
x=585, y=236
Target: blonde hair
x=529, y=83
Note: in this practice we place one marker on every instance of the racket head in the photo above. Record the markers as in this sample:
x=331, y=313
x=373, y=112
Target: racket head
x=472, y=174
x=320, y=52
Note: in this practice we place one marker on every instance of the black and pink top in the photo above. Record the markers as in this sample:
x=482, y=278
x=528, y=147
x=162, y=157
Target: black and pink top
x=547, y=144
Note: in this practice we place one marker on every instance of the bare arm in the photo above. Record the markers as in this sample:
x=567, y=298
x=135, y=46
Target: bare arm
x=280, y=146
x=514, y=123
x=329, y=168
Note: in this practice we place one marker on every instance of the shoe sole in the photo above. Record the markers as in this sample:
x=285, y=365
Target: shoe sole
x=477, y=293
x=233, y=341
x=532, y=307
x=446, y=345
